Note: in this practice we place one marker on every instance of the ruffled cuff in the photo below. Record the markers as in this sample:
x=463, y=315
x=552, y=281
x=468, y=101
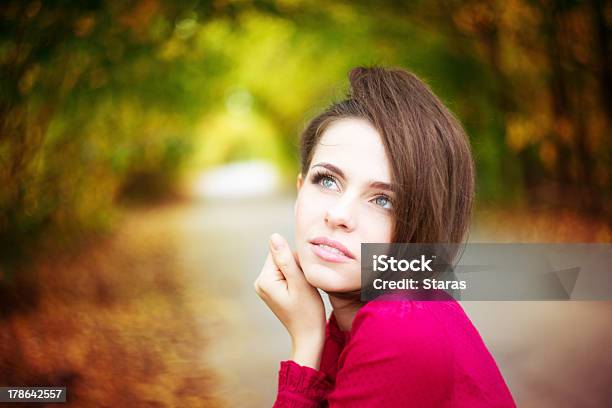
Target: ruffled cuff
x=300, y=386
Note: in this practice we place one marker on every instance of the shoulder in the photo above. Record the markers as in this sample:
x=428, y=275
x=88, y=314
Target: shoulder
x=424, y=351
x=409, y=330
x=394, y=318
x=399, y=347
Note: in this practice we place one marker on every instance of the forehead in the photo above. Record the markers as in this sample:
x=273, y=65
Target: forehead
x=354, y=146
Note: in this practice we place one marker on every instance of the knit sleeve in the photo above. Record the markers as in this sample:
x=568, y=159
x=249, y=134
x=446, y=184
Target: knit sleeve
x=300, y=386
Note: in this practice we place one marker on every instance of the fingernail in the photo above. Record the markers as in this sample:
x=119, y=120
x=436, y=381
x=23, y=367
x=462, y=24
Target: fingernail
x=277, y=241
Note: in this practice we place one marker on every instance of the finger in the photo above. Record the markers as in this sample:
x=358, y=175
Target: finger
x=297, y=262
x=284, y=257
x=270, y=271
x=269, y=276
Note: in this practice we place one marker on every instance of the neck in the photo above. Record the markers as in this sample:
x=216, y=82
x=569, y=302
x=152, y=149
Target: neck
x=345, y=308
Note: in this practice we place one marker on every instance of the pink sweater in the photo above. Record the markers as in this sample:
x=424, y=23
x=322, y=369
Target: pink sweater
x=404, y=353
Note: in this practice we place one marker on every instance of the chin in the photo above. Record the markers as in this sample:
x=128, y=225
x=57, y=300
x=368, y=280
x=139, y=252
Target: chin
x=327, y=279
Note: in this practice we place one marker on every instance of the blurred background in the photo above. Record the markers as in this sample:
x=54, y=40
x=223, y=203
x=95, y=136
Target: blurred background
x=149, y=148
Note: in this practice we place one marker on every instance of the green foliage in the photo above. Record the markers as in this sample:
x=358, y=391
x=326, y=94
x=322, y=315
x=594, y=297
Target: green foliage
x=102, y=99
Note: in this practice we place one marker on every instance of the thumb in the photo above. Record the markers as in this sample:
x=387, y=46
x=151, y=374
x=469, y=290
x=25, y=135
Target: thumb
x=284, y=258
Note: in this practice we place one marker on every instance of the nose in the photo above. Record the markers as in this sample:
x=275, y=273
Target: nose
x=340, y=216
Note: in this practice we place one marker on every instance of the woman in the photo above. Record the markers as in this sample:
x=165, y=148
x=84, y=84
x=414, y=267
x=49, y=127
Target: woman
x=388, y=164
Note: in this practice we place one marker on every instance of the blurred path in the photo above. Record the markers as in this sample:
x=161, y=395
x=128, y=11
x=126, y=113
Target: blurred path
x=220, y=247
x=552, y=354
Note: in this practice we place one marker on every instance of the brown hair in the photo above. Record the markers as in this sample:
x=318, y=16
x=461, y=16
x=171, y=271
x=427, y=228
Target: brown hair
x=428, y=150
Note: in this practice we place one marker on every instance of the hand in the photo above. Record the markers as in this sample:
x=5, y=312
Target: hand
x=297, y=304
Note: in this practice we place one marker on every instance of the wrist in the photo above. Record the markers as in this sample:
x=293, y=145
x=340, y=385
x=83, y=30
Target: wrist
x=307, y=351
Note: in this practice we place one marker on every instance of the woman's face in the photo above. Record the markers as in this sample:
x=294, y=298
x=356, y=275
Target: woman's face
x=344, y=199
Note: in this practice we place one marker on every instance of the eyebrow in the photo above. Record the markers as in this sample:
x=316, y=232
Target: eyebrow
x=381, y=185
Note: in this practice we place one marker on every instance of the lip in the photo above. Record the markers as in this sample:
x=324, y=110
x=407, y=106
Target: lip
x=327, y=255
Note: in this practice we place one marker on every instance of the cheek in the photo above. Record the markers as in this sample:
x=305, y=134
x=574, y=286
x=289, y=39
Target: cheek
x=301, y=212
x=303, y=218
x=309, y=208
x=377, y=227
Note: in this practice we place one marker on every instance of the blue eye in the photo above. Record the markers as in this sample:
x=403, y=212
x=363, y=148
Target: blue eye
x=383, y=201
x=327, y=182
